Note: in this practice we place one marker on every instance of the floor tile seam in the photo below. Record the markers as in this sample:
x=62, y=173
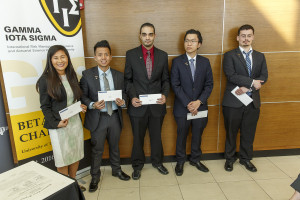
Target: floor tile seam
x=98, y=196
x=234, y=181
x=190, y=184
x=278, y=167
x=173, y=172
x=218, y=184
x=248, y=172
x=180, y=191
x=248, y=181
x=272, y=179
x=222, y=191
x=160, y=186
x=173, y=168
x=117, y=188
x=157, y=186
x=263, y=189
x=140, y=188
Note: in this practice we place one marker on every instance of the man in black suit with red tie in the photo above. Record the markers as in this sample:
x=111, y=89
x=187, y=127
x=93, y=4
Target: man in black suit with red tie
x=192, y=83
x=146, y=72
x=247, y=69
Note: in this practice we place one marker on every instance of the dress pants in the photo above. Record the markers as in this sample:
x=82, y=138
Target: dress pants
x=183, y=126
x=244, y=119
x=109, y=128
x=139, y=126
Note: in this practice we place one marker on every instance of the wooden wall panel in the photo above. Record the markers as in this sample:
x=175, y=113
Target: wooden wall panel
x=284, y=74
x=276, y=23
x=278, y=127
x=119, y=23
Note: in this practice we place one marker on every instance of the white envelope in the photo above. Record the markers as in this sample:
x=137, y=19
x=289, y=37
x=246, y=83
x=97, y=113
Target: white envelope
x=70, y=111
x=200, y=114
x=149, y=98
x=110, y=95
x=244, y=98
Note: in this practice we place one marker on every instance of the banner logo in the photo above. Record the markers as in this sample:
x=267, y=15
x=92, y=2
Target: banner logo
x=64, y=15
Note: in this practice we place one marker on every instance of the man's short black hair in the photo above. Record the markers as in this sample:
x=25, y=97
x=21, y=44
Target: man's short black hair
x=193, y=31
x=147, y=24
x=245, y=27
x=102, y=43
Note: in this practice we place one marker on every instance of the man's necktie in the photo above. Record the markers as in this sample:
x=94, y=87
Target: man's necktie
x=107, y=88
x=248, y=63
x=149, y=64
x=192, y=66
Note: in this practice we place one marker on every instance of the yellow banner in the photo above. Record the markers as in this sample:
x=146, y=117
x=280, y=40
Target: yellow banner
x=30, y=137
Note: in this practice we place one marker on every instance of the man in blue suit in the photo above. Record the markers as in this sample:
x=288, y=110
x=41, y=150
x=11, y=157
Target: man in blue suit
x=192, y=83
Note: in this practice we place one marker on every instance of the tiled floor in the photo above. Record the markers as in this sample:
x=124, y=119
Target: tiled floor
x=272, y=181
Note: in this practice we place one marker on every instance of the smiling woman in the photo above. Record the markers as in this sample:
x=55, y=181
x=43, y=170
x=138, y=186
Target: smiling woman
x=58, y=88
x=60, y=62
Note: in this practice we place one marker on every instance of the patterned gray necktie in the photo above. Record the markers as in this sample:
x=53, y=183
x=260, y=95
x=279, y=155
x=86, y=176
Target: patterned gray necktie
x=192, y=66
x=248, y=63
x=107, y=88
x=149, y=65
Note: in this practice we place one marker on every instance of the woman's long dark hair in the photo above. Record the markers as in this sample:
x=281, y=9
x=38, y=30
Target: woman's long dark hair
x=53, y=80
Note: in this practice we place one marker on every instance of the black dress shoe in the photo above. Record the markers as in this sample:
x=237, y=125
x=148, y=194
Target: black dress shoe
x=136, y=174
x=121, y=175
x=200, y=166
x=161, y=169
x=179, y=169
x=228, y=166
x=94, y=184
x=248, y=165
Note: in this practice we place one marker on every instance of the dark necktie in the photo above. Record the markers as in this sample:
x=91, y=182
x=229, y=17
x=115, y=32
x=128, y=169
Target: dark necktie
x=107, y=88
x=248, y=61
x=192, y=66
x=149, y=65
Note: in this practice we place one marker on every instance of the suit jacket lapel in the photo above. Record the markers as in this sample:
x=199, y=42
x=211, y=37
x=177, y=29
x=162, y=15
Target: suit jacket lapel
x=113, y=73
x=141, y=60
x=96, y=78
x=156, y=59
x=186, y=65
x=254, y=62
x=198, y=68
x=242, y=59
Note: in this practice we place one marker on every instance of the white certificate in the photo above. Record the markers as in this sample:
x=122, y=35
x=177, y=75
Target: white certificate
x=70, y=111
x=149, y=98
x=200, y=114
x=244, y=98
x=110, y=95
x=31, y=181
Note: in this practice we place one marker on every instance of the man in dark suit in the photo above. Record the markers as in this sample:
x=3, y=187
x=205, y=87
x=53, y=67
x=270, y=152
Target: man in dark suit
x=192, y=83
x=103, y=119
x=146, y=72
x=247, y=69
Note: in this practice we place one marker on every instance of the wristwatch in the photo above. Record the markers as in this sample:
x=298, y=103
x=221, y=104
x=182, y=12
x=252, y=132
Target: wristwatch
x=93, y=106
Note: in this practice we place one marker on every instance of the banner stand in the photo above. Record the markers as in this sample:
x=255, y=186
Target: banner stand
x=6, y=109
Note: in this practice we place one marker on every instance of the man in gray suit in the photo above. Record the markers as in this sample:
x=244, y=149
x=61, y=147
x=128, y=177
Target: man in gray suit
x=247, y=69
x=103, y=119
x=146, y=72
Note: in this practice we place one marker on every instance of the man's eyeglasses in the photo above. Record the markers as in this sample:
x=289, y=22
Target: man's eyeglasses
x=191, y=41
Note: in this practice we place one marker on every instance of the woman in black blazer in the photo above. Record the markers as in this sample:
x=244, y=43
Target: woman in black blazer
x=58, y=88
